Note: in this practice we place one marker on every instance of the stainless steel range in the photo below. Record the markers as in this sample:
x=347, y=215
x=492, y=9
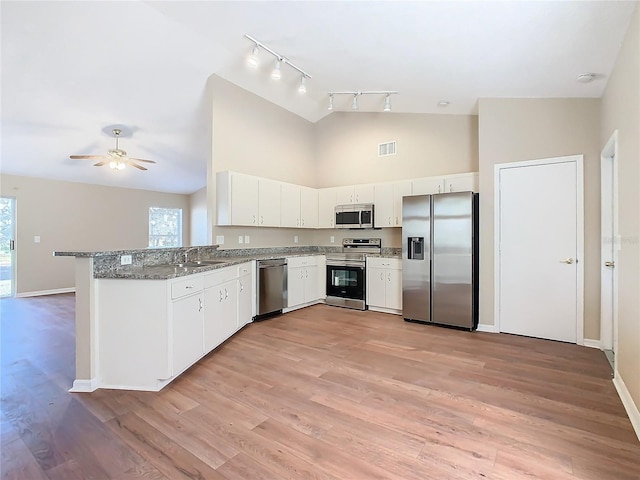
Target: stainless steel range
x=346, y=272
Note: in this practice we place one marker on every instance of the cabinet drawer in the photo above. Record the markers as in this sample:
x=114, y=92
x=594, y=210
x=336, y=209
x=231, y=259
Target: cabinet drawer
x=294, y=262
x=219, y=276
x=378, y=262
x=244, y=269
x=187, y=286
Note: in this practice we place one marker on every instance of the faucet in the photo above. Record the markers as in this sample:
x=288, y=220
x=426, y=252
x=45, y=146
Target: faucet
x=186, y=253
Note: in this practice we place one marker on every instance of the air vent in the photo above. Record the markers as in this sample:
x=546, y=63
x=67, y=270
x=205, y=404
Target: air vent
x=386, y=149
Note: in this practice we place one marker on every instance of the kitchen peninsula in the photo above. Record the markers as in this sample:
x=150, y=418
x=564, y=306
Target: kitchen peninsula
x=139, y=325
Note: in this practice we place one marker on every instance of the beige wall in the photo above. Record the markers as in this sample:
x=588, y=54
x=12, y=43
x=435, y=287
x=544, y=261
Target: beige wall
x=77, y=217
x=198, y=229
x=513, y=130
x=621, y=111
x=427, y=144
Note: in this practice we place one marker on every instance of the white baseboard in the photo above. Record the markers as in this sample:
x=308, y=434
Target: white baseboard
x=627, y=401
x=482, y=327
x=392, y=311
x=84, y=386
x=588, y=342
x=55, y=291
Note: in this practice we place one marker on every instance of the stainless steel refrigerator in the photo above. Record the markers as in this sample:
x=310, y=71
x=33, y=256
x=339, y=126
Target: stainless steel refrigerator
x=440, y=259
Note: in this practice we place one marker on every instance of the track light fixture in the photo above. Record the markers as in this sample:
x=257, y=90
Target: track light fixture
x=276, y=73
x=354, y=103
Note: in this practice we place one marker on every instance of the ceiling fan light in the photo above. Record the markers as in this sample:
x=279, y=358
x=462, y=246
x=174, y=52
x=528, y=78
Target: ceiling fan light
x=275, y=73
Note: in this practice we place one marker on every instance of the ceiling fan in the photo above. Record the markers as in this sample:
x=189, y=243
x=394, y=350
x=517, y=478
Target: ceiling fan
x=115, y=157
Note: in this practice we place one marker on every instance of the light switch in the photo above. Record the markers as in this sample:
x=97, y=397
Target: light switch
x=246, y=239
x=36, y=239
x=220, y=239
x=333, y=239
x=240, y=239
x=125, y=260
x=295, y=239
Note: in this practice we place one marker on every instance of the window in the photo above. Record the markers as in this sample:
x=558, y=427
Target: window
x=165, y=227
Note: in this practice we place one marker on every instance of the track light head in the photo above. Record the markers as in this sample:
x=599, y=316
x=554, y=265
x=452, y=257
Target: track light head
x=387, y=103
x=330, y=102
x=252, y=60
x=354, y=104
x=302, y=88
x=275, y=73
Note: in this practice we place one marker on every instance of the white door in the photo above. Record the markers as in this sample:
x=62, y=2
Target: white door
x=7, y=246
x=539, y=247
x=609, y=246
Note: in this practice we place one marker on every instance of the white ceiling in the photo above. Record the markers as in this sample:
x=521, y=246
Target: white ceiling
x=71, y=70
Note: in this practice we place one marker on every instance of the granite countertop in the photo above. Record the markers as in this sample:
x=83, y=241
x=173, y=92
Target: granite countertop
x=160, y=263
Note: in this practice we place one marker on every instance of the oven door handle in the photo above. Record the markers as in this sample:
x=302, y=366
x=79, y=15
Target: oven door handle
x=343, y=263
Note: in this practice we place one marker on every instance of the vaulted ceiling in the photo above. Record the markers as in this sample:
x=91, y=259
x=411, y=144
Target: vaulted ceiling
x=73, y=70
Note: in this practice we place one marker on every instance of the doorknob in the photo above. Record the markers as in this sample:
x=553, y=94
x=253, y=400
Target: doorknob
x=609, y=264
x=568, y=261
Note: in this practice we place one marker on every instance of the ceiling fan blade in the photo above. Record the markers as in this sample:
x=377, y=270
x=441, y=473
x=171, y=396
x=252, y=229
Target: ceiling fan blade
x=139, y=167
x=99, y=164
x=141, y=160
x=85, y=157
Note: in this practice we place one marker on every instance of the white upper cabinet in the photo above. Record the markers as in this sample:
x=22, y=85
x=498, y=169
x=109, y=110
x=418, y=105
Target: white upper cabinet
x=237, y=199
x=388, y=203
x=327, y=201
x=269, y=203
x=462, y=182
x=309, y=207
x=290, y=203
x=349, y=194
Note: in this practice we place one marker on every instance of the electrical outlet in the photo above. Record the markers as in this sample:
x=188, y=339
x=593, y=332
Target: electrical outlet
x=220, y=239
x=295, y=239
x=332, y=239
x=246, y=239
x=240, y=239
x=125, y=260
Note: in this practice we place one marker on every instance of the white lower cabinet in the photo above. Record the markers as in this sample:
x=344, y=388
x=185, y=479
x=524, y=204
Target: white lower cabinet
x=153, y=330
x=187, y=343
x=303, y=280
x=384, y=284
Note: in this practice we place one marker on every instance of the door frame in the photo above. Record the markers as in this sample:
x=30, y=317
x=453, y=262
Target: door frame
x=14, y=256
x=578, y=160
x=609, y=324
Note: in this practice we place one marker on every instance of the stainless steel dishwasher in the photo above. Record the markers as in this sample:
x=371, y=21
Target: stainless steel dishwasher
x=271, y=287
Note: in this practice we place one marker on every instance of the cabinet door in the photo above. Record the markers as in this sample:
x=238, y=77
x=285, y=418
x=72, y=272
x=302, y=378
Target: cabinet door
x=427, y=185
x=363, y=194
x=311, y=284
x=465, y=182
x=187, y=331
x=221, y=316
x=308, y=207
x=383, y=201
x=400, y=189
x=245, y=300
x=345, y=195
x=290, y=204
x=269, y=203
x=376, y=286
x=393, y=291
x=327, y=207
x=295, y=286
x=244, y=199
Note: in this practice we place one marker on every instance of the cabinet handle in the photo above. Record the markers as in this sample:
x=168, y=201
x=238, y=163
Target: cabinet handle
x=397, y=221
x=188, y=287
x=302, y=222
x=381, y=276
x=389, y=277
x=253, y=219
x=221, y=296
x=261, y=219
x=451, y=187
x=226, y=294
x=241, y=286
x=439, y=189
x=307, y=273
x=200, y=305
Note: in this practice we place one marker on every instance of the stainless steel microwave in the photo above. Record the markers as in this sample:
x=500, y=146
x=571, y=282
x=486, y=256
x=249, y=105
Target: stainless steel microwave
x=354, y=216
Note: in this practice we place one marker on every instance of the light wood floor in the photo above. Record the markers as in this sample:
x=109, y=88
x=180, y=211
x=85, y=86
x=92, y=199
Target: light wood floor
x=320, y=393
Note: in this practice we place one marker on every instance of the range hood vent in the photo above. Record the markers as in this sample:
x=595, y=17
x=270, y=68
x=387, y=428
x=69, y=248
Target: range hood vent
x=386, y=149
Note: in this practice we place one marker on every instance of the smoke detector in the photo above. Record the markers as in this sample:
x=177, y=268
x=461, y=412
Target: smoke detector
x=585, y=77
